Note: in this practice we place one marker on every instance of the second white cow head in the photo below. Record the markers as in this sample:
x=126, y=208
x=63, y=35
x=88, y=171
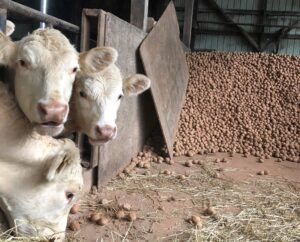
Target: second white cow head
x=98, y=90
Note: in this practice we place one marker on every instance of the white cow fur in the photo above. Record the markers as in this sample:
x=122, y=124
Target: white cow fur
x=97, y=93
x=45, y=64
x=36, y=173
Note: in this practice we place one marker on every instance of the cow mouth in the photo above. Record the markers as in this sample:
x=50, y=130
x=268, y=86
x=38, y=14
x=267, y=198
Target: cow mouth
x=51, y=124
x=49, y=128
x=99, y=141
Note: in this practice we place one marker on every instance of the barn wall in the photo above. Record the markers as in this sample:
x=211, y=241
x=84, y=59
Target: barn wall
x=212, y=36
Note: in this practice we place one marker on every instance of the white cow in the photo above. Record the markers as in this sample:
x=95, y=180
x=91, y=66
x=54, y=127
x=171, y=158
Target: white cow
x=41, y=177
x=99, y=88
x=45, y=64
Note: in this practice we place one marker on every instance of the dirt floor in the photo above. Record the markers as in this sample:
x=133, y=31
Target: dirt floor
x=244, y=206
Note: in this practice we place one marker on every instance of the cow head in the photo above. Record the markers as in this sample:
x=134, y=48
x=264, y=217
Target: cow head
x=37, y=201
x=98, y=90
x=45, y=64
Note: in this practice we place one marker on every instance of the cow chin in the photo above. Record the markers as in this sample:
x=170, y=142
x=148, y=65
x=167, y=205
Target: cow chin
x=99, y=141
x=39, y=231
x=28, y=230
x=51, y=130
x=34, y=229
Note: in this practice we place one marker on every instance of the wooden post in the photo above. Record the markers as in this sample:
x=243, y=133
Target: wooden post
x=101, y=28
x=188, y=22
x=263, y=22
x=139, y=13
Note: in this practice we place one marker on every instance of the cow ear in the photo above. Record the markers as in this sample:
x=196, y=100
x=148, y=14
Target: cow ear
x=97, y=59
x=135, y=84
x=68, y=154
x=10, y=28
x=8, y=50
x=55, y=166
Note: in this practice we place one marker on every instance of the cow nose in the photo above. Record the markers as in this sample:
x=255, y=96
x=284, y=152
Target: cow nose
x=53, y=111
x=106, y=131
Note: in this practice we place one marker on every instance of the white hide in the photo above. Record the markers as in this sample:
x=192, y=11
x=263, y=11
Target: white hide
x=36, y=174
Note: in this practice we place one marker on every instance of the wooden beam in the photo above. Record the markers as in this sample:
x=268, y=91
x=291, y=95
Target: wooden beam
x=278, y=36
x=85, y=32
x=263, y=21
x=250, y=40
x=195, y=18
x=101, y=28
x=139, y=13
x=188, y=22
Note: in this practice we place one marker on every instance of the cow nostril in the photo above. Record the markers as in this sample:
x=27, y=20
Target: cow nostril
x=42, y=109
x=98, y=130
x=106, y=131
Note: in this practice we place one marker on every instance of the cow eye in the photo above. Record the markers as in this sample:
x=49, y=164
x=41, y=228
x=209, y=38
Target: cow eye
x=69, y=195
x=74, y=69
x=82, y=94
x=120, y=96
x=22, y=63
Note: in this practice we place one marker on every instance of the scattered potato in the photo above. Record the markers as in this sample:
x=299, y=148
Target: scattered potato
x=190, y=153
x=260, y=160
x=216, y=175
x=104, y=201
x=126, y=206
x=102, y=221
x=181, y=177
x=195, y=219
x=120, y=214
x=74, y=209
x=188, y=163
x=167, y=172
x=224, y=160
x=167, y=159
x=217, y=160
x=94, y=217
x=131, y=216
x=210, y=211
x=74, y=226
x=146, y=173
x=171, y=199
x=260, y=173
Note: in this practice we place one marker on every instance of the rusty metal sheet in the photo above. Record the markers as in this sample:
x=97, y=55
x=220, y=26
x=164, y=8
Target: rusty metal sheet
x=136, y=116
x=165, y=64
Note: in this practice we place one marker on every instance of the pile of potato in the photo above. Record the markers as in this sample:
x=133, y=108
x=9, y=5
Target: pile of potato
x=241, y=103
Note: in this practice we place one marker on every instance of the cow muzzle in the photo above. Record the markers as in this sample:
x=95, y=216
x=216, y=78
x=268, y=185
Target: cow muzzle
x=53, y=116
x=52, y=113
x=103, y=134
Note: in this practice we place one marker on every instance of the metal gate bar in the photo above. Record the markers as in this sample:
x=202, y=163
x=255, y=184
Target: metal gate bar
x=8, y=5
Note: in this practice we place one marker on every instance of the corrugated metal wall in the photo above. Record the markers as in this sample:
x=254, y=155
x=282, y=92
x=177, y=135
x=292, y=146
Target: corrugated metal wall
x=224, y=37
